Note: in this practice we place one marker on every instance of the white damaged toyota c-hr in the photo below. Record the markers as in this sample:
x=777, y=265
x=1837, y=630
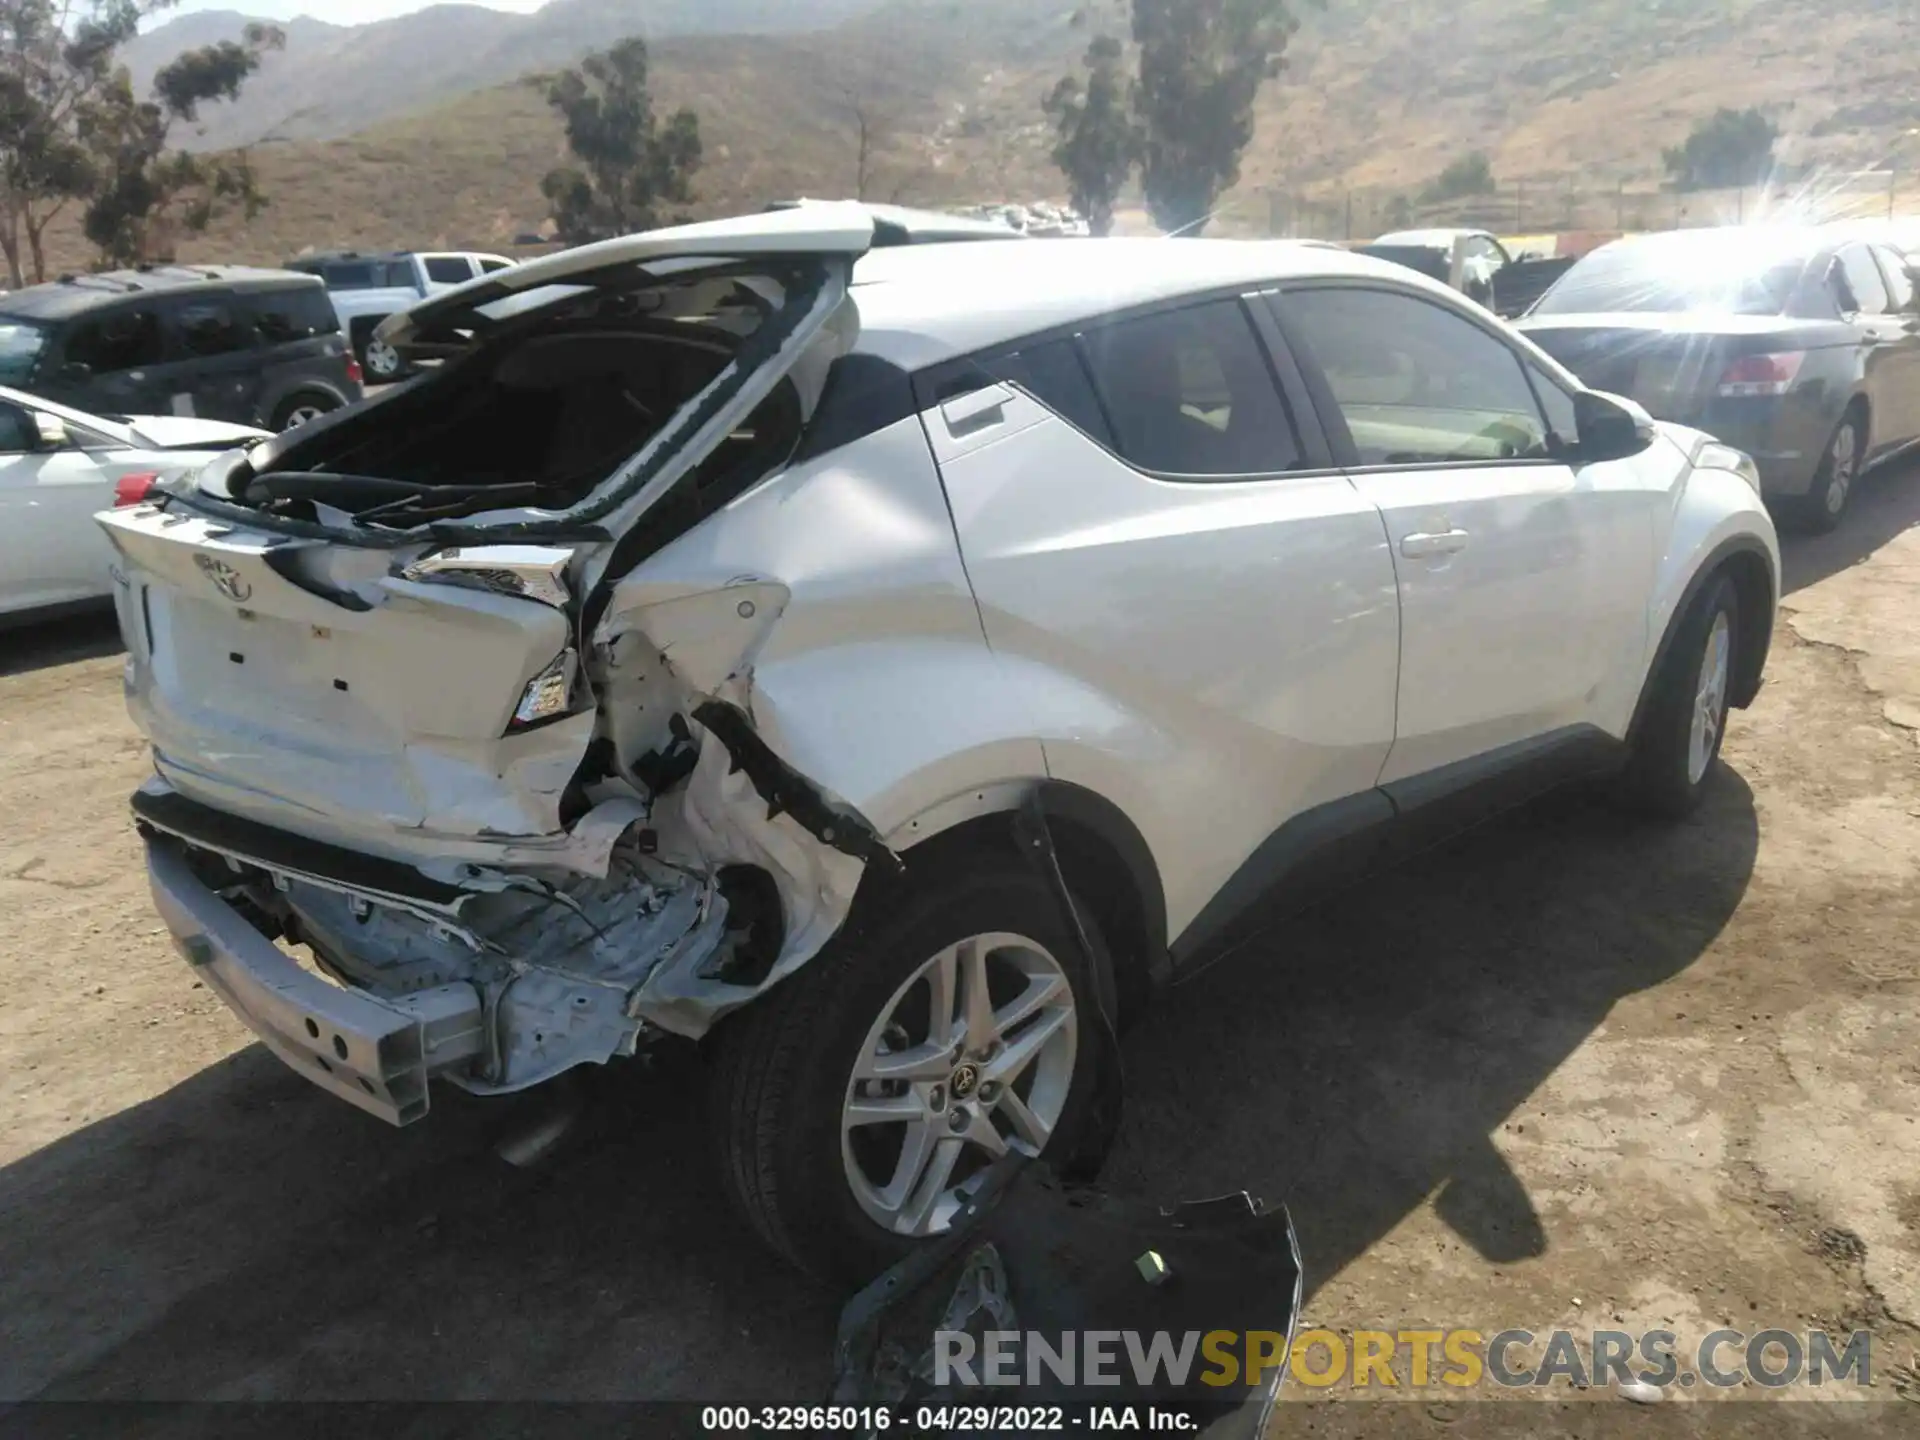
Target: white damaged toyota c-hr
x=887, y=668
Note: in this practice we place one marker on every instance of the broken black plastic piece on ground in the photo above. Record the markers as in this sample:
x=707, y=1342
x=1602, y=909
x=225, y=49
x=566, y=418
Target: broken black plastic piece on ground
x=1035, y=1256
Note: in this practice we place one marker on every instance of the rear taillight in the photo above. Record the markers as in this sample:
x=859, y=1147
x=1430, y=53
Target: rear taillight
x=354, y=372
x=1762, y=374
x=134, y=489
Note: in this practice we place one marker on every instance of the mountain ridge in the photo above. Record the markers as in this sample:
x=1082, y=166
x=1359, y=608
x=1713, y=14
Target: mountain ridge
x=1572, y=100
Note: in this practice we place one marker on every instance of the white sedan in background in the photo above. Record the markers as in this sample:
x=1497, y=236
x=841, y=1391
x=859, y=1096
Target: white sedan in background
x=58, y=468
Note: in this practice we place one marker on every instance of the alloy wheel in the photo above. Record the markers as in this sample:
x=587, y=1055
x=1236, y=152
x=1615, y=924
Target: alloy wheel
x=383, y=361
x=1843, y=463
x=1710, y=698
x=972, y=1057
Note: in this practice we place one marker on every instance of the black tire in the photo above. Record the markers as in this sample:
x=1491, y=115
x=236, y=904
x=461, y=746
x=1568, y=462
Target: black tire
x=378, y=363
x=1660, y=779
x=302, y=406
x=782, y=1068
x=1825, y=504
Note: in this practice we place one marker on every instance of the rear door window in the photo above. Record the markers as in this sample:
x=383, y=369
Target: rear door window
x=351, y=275
x=1899, y=280
x=208, y=327
x=1189, y=392
x=124, y=338
x=1054, y=374
x=449, y=269
x=1864, y=285
x=280, y=316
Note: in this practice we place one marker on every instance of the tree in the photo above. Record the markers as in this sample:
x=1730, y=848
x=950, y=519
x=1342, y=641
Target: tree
x=1202, y=63
x=1469, y=175
x=54, y=60
x=868, y=129
x=1731, y=147
x=629, y=166
x=71, y=130
x=145, y=195
x=1096, y=146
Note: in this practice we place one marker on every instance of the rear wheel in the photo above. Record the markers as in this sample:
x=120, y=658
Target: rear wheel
x=381, y=362
x=1685, y=722
x=1833, y=483
x=857, y=1106
x=298, y=410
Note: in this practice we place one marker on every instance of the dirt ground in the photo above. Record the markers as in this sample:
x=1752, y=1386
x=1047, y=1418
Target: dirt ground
x=1569, y=1072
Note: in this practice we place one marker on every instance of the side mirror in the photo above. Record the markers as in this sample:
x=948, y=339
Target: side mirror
x=51, y=430
x=1611, y=427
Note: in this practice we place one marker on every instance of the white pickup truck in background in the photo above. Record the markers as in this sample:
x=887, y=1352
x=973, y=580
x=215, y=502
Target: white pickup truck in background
x=367, y=288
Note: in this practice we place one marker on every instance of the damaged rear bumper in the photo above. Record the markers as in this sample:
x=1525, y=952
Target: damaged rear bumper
x=376, y=1054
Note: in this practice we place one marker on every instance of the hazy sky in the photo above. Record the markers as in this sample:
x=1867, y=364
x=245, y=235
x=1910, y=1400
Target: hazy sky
x=340, y=12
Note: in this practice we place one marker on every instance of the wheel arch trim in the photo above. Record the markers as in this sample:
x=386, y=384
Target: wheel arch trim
x=1742, y=558
x=1073, y=811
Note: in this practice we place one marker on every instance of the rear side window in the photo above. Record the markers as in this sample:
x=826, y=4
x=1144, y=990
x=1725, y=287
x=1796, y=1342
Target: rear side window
x=1189, y=392
x=449, y=269
x=1055, y=376
x=120, y=339
x=491, y=267
x=351, y=275
x=208, y=327
x=280, y=316
x=1899, y=280
x=1867, y=290
x=1418, y=384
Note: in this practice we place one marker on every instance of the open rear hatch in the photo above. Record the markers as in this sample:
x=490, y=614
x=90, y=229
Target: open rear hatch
x=370, y=633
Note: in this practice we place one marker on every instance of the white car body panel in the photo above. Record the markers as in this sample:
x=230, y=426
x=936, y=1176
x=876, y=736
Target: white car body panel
x=876, y=682
x=173, y=432
x=1256, y=682
x=51, y=552
x=1554, y=566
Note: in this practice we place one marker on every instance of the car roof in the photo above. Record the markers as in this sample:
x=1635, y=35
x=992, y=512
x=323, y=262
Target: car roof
x=1784, y=241
x=76, y=294
x=920, y=305
x=331, y=257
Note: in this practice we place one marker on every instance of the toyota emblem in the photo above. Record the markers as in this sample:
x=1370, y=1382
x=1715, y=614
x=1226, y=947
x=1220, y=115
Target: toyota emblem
x=225, y=578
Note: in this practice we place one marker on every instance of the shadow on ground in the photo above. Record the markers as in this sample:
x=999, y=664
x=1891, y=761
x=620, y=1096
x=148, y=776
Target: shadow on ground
x=43, y=644
x=244, y=1237
x=1886, y=504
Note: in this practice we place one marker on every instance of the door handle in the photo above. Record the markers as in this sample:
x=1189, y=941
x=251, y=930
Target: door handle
x=976, y=410
x=1425, y=547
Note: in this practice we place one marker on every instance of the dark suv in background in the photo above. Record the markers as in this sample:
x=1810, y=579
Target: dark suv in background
x=223, y=342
